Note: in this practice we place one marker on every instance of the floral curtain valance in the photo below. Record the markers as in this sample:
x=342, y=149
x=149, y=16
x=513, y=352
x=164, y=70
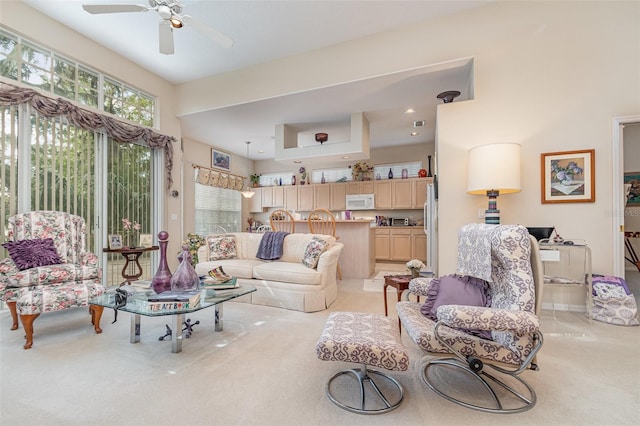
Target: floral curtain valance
x=219, y=179
x=88, y=120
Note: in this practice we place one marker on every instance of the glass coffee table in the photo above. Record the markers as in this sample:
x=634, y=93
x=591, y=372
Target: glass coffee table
x=138, y=305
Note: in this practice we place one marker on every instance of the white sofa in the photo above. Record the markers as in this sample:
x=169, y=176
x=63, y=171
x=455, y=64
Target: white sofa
x=286, y=282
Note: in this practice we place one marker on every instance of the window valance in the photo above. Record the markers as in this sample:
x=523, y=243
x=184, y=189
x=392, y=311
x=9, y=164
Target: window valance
x=89, y=120
x=218, y=179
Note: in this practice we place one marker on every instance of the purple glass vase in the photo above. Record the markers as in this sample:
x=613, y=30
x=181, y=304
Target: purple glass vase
x=185, y=277
x=162, y=279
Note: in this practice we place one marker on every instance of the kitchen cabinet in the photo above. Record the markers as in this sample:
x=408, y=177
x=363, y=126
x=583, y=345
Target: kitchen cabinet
x=255, y=202
x=402, y=191
x=338, y=196
x=360, y=187
x=322, y=196
x=305, y=198
x=291, y=198
x=382, y=247
x=420, y=192
x=272, y=196
x=419, y=245
x=383, y=190
x=400, y=244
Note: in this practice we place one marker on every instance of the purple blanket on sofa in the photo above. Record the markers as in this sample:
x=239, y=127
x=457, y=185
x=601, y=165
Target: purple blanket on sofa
x=271, y=245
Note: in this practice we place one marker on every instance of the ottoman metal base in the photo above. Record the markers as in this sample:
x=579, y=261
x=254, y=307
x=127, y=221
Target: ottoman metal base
x=381, y=403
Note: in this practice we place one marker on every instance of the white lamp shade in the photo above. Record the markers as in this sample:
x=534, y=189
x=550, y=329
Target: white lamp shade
x=494, y=167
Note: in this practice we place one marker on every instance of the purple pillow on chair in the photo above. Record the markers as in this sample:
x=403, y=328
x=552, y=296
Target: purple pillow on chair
x=457, y=290
x=28, y=254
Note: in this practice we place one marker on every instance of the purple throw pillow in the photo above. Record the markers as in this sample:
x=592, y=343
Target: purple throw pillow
x=28, y=254
x=457, y=290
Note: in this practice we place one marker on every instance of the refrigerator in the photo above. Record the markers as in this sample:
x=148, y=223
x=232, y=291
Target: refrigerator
x=430, y=216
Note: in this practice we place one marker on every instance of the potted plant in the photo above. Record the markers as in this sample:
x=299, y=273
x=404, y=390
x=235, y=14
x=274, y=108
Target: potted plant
x=255, y=180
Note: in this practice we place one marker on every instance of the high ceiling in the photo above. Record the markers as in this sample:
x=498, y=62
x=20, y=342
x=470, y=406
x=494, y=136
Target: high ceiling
x=263, y=31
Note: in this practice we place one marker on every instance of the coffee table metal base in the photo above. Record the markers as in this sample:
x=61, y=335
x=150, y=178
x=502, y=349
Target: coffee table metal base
x=177, y=337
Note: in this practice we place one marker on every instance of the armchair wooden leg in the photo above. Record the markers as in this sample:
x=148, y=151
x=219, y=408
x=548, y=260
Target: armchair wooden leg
x=14, y=315
x=27, y=323
x=339, y=273
x=96, y=315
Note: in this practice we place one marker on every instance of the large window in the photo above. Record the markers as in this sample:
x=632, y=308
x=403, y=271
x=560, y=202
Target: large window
x=25, y=61
x=217, y=207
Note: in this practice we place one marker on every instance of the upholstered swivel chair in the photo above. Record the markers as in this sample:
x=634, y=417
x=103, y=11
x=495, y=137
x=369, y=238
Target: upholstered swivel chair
x=322, y=221
x=281, y=220
x=483, y=372
x=48, y=269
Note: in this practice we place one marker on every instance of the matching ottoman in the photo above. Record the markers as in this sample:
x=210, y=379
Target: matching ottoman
x=369, y=340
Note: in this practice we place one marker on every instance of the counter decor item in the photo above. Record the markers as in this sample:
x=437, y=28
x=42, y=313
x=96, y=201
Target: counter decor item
x=390, y=175
x=429, y=174
x=162, y=279
x=422, y=173
x=360, y=171
x=255, y=180
x=185, y=278
x=323, y=180
x=293, y=180
x=303, y=175
x=414, y=266
x=405, y=173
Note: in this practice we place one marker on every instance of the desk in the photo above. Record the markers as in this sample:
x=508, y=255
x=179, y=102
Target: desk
x=132, y=269
x=400, y=283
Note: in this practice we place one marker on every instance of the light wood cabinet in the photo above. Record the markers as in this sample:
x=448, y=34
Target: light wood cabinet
x=360, y=187
x=383, y=190
x=419, y=245
x=382, y=247
x=322, y=196
x=419, y=192
x=305, y=198
x=272, y=196
x=402, y=194
x=290, y=198
x=400, y=244
x=255, y=202
x=338, y=196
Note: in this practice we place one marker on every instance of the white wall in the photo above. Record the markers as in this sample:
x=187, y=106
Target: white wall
x=548, y=75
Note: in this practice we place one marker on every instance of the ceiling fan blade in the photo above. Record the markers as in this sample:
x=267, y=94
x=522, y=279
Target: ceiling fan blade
x=220, y=38
x=166, y=38
x=114, y=8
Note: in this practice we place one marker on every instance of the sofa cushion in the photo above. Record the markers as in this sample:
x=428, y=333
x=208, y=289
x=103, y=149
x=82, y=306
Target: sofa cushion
x=296, y=244
x=27, y=254
x=288, y=272
x=221, y=247
x=312, y=252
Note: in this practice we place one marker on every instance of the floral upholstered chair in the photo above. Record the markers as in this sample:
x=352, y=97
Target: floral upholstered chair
x=48, y=268
x=482, y=321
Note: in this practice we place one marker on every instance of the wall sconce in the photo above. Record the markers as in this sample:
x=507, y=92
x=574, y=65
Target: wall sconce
x=493, y=170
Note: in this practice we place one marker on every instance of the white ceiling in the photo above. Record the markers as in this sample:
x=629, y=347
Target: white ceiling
x=267, y=30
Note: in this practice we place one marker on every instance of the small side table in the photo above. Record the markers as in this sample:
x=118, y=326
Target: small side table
x=132, y=269
x=400, y=283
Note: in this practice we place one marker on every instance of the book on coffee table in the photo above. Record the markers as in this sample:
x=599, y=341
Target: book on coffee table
x=172, y=300
x=213, y=284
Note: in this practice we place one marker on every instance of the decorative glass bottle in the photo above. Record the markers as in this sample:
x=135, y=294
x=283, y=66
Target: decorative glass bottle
x=293, y=180
x=185, y=277
x=429, y=174
x=405, y=173
x=323, y=179
x=390, y=175
x=162, y=279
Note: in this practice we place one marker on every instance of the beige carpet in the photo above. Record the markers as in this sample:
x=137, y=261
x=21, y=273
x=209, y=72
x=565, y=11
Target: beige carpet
x=263, y=370
x=376, y=284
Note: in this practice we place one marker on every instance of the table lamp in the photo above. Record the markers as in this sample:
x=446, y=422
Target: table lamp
x=494, y=169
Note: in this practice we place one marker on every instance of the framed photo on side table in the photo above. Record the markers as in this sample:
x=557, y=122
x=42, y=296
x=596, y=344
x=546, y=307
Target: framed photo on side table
x=568, y=177
x=146, y=240
x=220, y=160
x=115, y=241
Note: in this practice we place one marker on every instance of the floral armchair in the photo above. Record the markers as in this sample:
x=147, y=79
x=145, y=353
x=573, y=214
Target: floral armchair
x=491, y=337
x=48, y=269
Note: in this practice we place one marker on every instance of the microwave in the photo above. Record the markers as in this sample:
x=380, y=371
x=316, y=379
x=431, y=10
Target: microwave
x=360, y=202
x=399, y=221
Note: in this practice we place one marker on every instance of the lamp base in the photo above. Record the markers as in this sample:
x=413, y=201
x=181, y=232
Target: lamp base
x=492, y=214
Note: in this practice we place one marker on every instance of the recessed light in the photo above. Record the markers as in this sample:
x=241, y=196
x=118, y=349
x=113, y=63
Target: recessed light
x=414, y=133
x=409, y=111
x=261, y=152
x=346, y=157
x=297, y=161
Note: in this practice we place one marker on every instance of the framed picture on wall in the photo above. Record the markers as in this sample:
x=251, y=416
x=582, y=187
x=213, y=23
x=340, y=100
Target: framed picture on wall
x=220, y=160
x=568, y=177
x=115, y=241
x=633, y=196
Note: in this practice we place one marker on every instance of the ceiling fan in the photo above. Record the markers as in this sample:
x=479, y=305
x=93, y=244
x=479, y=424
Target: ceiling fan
x=171, y=17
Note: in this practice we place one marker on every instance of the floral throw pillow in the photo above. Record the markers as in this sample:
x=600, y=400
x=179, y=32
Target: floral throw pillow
x=223, y=247
x=312, y=252
x=27, y=254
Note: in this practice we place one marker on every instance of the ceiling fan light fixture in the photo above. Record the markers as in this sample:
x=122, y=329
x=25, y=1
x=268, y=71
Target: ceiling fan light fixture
x=176, y=22
x=322, y=137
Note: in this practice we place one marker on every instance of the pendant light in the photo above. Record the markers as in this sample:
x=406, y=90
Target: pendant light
x=247, y=191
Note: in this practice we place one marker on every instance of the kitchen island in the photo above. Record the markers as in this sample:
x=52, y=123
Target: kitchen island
x=358, y=259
